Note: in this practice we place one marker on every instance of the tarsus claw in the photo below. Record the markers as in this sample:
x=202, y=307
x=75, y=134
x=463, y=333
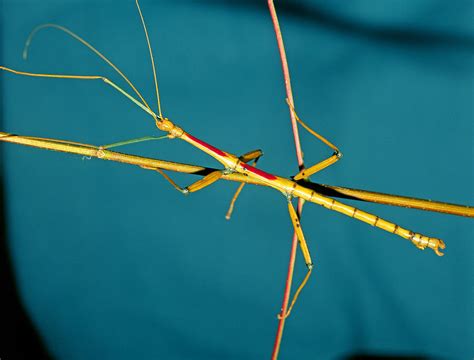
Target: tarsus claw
x=422, y=242
x=440, y=245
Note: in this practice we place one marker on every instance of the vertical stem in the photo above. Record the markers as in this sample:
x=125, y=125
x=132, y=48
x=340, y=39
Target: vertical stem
x=287, y=291
x=286, y=297
x=299, y=156
x=286, y=76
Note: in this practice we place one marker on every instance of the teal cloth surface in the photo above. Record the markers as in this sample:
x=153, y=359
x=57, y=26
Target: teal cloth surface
x=112, y=263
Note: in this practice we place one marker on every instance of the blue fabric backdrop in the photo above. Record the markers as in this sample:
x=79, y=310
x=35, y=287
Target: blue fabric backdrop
x=112, y=263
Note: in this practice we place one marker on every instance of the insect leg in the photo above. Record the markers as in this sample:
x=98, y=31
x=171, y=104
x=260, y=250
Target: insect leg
x=133, y=141
x=196, y=186
x=251, y=155
x=144, y=106
x=304, y=248
x=305, y=173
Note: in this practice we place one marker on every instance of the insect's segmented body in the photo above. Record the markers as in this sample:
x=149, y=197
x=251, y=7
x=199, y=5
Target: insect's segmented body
x=291, y=188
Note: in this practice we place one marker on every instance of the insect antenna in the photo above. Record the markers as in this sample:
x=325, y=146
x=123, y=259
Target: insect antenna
x=152, y=60
x=88, y=45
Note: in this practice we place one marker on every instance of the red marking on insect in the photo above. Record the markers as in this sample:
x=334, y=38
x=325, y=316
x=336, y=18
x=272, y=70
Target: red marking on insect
x=207, y=146
x=259, y=172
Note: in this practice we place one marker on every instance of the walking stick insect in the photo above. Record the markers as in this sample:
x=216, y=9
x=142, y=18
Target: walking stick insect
x=289, y=188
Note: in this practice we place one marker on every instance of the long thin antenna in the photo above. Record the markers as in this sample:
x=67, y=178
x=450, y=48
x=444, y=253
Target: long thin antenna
x=85, y=43
x=152, y=60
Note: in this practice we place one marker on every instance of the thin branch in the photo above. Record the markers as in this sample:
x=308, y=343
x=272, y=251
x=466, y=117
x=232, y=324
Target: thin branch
x=286, y=76
x=299, y=156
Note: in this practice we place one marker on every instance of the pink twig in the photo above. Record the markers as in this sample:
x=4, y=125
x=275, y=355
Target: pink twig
x=286, y=75
x=299, y=156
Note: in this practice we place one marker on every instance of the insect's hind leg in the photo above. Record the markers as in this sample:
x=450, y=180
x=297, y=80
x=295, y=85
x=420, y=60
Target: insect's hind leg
x=304, y=249
x=305, y=173
x=254, y=155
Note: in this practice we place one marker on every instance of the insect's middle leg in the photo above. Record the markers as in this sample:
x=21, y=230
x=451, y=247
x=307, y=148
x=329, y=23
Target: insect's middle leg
x=305, y=173
x=196, y=186
x=251, y=155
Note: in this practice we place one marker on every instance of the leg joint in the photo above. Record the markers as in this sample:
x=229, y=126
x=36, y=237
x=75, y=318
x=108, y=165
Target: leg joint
x=228, y=171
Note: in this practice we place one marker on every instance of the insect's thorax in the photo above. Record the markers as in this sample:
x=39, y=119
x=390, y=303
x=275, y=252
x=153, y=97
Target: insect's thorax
x=233, y=164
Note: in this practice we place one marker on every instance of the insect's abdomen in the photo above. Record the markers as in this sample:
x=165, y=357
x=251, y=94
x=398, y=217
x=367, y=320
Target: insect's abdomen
x=420, y=241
